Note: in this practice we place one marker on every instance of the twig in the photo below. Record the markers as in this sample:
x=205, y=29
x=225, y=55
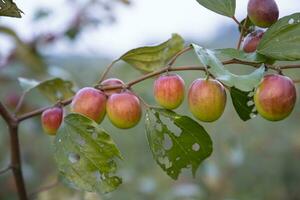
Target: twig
x=20, y=103
x=108, y=68
x=174, y=58
x=6, y=169
x=243, y=30
x=43, y=189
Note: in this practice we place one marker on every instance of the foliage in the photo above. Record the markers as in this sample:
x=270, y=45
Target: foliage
x=149, y=59
x=173, y=150
x=9, y=8
x=85, y=155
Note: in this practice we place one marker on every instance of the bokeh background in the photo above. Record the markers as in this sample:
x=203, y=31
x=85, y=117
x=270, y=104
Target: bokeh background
x=76, y=39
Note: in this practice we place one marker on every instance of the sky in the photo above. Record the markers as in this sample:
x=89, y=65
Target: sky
x=140, y=24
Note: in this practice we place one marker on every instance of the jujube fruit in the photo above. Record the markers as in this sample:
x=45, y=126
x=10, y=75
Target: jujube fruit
x=90, y=102
x=112, y=82
x=263, y=13
x=252, y=40
x=207, y=99
x=275, y=97
x=51, y=120
x=169, y=91
x=124, y=110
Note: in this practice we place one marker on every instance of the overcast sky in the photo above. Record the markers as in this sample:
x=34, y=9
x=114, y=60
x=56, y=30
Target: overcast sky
x=144, y=21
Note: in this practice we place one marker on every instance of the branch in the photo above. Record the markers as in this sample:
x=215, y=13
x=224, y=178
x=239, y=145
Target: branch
x=43, y=189
x=39, y=111
x=108, y=68
x=174, y=58
x=16, y=161
x=6, y=169
x=5, y=114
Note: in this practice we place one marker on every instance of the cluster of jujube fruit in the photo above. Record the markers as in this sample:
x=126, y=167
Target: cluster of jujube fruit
x=274, y=98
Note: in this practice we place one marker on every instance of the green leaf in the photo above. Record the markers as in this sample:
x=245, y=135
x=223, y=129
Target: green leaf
x=54, y=89
x=216, y=68
x=151, y=58
x=241, y=55
x=222, y=7
x=185, y=147
x=10, y=9
x=243, y=103
x=282, y=40
x=86, y=155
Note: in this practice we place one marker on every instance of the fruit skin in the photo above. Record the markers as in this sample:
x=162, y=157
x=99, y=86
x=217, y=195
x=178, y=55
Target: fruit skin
x=275, y=97
x=207, y=99
x=169, y=91
x=52, y=119
x=111, y=82
x=263, y=13
x=90, y=102
x=124, y=110
x=252, y=40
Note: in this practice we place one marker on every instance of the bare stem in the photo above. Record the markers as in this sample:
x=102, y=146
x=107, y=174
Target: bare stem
x=243, y=30
x=174, y=58
x=106, y=71
x=6, y=169
x=45, y=188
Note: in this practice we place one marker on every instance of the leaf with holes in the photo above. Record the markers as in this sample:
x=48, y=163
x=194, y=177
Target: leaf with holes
x=151, y=58
x=282, y=40
x=222, y=7
x=231, y=53
x=174, y=150
x=54, y=89
x=10, y=9
x=215, y=67
x=243, y=103
x=86, y=155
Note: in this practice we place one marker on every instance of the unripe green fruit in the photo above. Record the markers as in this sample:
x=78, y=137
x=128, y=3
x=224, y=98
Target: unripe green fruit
x=112, y=82
x=207, y=99
x=124, y=110
x=252, y=40
x=275, y=97
x=169, y=91
x=90, y=102
x=263, y=13
x=51, y=120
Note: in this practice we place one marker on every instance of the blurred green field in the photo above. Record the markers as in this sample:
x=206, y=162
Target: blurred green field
x=254, y=160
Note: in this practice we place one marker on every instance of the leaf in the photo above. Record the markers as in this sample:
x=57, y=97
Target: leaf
x=151, y=58
x=86, y=155
x=243, y=103
x=222, y=7
x=10, y=9
x=190, y=143
x=282, y=40
x=54, y=89
x=241, y=55
x=216, y=68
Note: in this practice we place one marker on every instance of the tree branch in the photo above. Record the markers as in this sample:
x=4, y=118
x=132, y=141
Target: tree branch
x=16, y=161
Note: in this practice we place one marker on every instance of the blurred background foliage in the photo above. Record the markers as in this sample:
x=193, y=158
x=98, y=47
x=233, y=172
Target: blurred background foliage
x=256, y=159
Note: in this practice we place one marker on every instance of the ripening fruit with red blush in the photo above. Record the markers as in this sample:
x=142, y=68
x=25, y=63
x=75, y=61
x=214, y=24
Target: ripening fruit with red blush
x=263, y=13
x=207, y=99
x=252, y=40
x=51, y=120
x=90, y=102
x=112, y=82
x=124, y=110
x=275, y=97
x=169, y=91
